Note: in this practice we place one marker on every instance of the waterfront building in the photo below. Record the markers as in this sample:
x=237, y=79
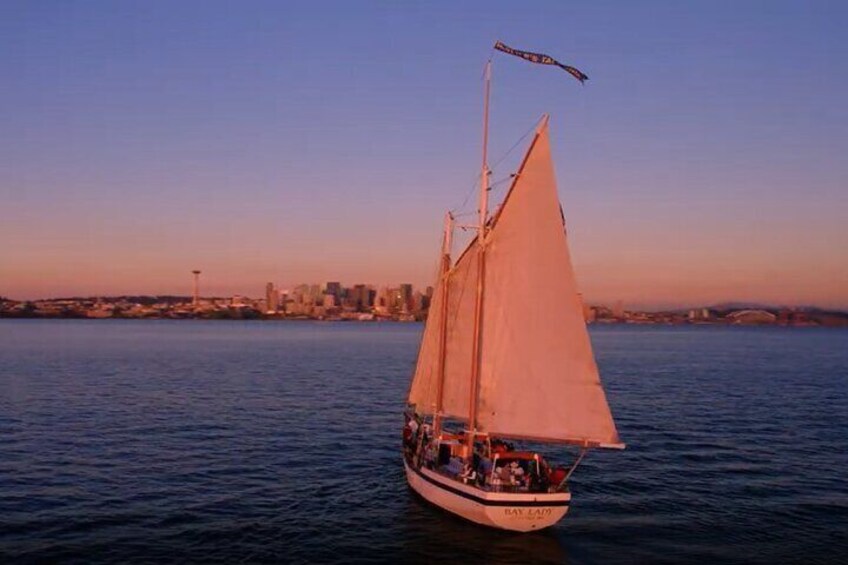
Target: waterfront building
x=272, y=298
x=360, y=297
x=334, y=289
x=618, y=310
x=329, y=301
x=405, y=296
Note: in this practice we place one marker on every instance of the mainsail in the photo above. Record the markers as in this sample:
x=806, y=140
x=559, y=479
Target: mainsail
x=538, y=377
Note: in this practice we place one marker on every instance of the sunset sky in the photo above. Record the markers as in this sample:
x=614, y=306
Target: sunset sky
x=705, y=160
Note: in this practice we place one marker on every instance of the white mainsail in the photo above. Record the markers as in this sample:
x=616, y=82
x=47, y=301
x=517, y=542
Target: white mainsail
x=538, y=377
x=538, y=374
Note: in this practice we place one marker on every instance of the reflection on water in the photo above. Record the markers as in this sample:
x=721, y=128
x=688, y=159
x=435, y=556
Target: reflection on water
x=434, y=534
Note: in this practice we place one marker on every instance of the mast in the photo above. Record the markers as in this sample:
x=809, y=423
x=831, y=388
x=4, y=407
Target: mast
x=481, y=264
x=443, y=324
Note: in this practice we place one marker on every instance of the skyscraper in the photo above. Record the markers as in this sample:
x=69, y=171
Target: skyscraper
x=272, y=298
x=405, y=292
x=334, y=289
x=196, y=299
x=361, y=295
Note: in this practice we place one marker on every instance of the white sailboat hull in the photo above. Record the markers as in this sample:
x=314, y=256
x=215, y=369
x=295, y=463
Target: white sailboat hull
x=519, y=512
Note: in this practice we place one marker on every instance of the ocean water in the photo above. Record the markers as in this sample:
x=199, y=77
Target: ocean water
x=240, y=442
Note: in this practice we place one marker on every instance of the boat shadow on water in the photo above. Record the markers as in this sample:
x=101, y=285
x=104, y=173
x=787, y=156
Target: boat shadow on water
x=433, y=535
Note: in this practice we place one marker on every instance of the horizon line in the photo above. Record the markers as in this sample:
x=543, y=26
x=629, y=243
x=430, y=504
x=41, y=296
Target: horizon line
x=725, y=304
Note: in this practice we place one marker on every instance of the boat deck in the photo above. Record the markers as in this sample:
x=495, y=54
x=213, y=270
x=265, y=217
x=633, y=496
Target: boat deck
x=486, y=484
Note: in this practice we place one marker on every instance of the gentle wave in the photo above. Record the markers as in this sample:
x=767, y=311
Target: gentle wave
x=265, y=442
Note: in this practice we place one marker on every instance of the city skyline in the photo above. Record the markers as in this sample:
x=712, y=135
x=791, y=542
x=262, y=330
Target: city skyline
x=700, y=164
x=270, y=288
x=333, y=301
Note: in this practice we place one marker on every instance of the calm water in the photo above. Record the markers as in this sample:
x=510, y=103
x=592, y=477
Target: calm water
x=246, y=442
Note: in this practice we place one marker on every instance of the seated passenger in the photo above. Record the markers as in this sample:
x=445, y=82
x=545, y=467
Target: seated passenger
x=517, y=472
x=468, y=475
x=506, y=476
x=495, y=478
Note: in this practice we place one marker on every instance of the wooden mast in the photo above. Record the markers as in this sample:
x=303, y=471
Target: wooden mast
x=443, y=323
x=481, y=266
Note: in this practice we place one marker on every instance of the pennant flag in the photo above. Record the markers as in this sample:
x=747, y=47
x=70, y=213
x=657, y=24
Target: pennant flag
x=542, y=60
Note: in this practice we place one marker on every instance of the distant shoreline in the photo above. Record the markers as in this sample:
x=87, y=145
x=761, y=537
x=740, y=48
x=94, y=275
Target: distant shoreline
x=184, y=308
x=293, y=319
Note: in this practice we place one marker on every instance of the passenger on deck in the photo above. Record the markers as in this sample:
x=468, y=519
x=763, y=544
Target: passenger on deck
x=468, y=475
x=517, y=473
x=506, y=476
x=484, y=469
x=495, y=478
x=430, y=455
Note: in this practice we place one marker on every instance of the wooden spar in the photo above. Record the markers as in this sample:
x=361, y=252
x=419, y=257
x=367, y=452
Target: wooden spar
x=572, y=469
x=481, y=266
x=443, y=323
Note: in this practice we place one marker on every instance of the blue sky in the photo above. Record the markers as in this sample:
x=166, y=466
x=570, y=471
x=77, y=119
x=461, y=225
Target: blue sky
x=289, y=142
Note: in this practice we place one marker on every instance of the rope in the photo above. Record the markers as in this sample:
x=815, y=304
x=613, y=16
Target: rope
x=456, y=211
x=514, y=145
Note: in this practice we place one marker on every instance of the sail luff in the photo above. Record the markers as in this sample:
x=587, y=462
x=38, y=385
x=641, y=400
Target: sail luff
x=543, y=123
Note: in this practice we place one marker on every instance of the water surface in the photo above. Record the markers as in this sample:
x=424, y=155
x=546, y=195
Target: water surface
x=189, y=441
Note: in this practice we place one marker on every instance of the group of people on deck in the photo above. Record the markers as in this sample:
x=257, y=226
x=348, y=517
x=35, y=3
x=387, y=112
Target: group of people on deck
x=512, y=475
x=491, y=465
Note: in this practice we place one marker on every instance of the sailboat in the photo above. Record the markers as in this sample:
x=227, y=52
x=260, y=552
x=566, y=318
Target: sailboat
x=505, y=359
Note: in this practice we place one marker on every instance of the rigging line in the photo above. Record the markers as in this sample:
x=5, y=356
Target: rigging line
x=477, y=177
x=498, y=162
x=472, y=190
x=502, y=181
x=492, y=188
x=498, y=186
x=516, y=144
